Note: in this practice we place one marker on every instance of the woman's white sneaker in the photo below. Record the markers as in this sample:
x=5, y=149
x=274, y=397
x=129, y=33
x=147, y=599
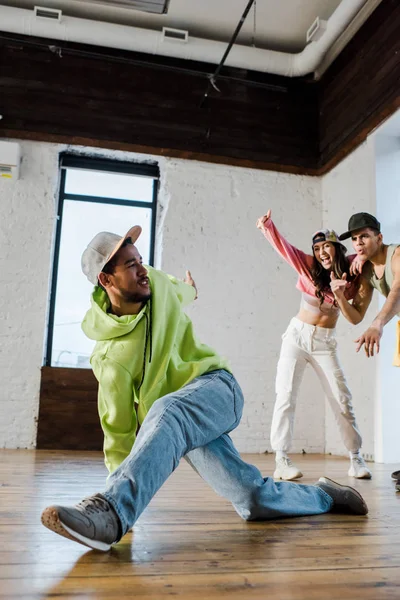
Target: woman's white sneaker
x=359, y=469
x=286, y=470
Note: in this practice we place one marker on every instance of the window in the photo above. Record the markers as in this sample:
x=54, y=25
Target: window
x=95, y=195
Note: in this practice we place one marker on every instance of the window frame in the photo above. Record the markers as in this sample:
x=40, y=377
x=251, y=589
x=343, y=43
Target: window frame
x=103, y=165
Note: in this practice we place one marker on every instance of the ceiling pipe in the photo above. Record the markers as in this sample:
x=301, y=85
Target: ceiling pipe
x=109, y=35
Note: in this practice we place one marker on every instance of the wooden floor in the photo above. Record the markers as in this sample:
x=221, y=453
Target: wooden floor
x=190, y=543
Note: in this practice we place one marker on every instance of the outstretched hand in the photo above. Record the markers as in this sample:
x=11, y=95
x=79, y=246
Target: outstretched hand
x=190, y=281
x=339, y=286
x=262, y=221
x=371, y=340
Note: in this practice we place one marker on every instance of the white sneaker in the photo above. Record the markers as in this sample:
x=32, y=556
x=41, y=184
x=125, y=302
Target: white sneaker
x=359, y=469
x=285, y=469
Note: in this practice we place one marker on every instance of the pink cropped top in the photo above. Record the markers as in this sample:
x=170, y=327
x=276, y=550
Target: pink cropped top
x=302, y=263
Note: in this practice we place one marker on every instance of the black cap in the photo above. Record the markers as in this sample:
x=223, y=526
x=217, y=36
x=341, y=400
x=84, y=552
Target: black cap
x=359, y=221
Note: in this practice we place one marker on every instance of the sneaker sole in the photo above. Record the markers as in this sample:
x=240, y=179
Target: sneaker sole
x=278, y=476
x=351, y=473
x=52, y=521
x=347, y=487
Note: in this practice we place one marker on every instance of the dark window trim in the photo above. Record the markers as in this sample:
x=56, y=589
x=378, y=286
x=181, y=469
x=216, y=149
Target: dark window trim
x=54, y=276
x=103, y=200
x=72, y=161
x=96, y=164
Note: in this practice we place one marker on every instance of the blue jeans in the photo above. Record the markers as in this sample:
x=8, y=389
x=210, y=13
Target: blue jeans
x=194, y=423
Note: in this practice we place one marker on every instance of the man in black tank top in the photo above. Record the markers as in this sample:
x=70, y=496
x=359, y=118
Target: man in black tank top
x=380, y=271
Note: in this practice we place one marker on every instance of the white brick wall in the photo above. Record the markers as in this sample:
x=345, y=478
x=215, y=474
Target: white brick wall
x=246, y=292
x=348, y=189
x=206, y=223
x=26, y=226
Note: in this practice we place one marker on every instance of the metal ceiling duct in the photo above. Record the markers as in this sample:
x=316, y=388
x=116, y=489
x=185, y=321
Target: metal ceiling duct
x=158, y=7
x=339, y=30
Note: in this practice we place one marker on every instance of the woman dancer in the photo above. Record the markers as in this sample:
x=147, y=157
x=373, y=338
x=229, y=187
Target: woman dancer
x=310, y=339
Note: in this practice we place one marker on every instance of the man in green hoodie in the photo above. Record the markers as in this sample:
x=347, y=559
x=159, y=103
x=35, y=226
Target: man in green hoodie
x=152, y=370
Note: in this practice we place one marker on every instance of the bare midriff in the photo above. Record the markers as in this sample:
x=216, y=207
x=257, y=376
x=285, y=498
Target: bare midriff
x=318, y=320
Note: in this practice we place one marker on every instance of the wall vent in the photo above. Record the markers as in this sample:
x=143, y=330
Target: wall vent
x=316, y=30
x=176, y=35
x=47, y=13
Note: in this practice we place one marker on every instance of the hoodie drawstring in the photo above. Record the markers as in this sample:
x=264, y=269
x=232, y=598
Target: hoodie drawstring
x=151, y=330
x=148, y=341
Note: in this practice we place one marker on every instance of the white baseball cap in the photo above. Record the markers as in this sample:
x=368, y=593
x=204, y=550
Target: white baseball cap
x=327, y=235
x=102, y=248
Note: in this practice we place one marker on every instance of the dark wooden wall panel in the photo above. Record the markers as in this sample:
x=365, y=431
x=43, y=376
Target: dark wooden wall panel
x=124, y=100
x=68, y=417
x=130, y=105
x=362, y=86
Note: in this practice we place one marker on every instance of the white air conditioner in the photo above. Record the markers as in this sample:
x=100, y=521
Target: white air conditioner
x=10, y=156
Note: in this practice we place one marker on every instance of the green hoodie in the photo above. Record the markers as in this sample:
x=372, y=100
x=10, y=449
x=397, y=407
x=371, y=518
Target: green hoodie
x=140, y=358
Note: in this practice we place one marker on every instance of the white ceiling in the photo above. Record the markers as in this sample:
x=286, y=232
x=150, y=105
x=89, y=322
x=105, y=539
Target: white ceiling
x=280, y=24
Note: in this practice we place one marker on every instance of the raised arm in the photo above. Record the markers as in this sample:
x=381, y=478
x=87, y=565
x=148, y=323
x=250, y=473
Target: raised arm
x=300, y=261
x=185, y=290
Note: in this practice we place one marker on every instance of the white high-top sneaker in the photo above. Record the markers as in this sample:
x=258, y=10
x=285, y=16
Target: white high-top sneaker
x=285, y=469
x=359, y=469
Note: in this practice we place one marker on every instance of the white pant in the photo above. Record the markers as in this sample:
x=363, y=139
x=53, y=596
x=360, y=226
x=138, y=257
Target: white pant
x=302, y=344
